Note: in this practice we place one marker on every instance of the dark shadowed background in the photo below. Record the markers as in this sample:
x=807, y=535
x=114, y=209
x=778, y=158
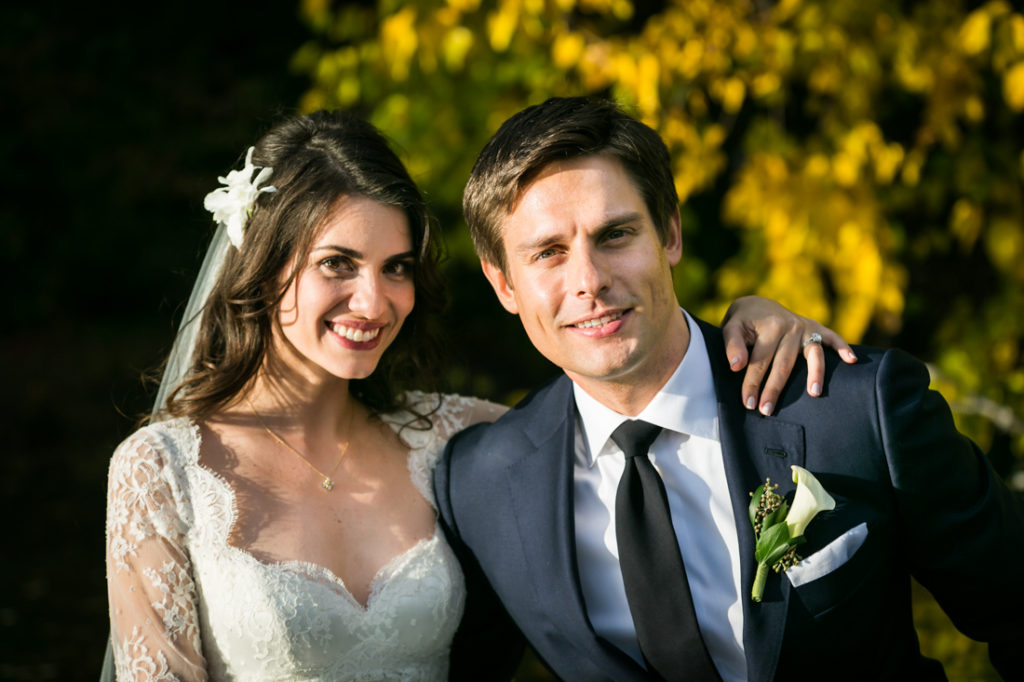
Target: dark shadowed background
x=117, y=122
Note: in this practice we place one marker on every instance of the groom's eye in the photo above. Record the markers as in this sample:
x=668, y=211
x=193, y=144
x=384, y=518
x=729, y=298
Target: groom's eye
x=615, y=234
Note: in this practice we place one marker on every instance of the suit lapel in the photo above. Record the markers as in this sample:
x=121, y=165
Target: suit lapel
x=754, y=448
x=541, y=485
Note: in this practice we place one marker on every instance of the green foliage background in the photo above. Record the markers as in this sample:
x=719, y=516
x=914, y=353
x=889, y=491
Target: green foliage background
x=861, y=161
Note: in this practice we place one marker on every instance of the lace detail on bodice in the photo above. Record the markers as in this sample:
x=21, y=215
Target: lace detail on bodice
x=186, y=604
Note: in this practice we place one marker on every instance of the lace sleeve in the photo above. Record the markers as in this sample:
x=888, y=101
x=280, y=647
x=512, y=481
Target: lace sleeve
x=449, y=414
x=153, y=614
x=458, y=412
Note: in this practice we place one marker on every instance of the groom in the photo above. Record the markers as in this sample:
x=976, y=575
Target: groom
x=606, y=516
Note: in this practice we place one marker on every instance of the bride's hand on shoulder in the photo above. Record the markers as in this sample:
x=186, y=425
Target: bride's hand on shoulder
x=777, y=336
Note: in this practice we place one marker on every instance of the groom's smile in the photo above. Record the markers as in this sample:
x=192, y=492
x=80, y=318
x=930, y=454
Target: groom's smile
x=602, y=324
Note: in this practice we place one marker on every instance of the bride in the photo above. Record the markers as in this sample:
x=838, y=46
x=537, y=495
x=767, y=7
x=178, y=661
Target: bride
x=275, y=519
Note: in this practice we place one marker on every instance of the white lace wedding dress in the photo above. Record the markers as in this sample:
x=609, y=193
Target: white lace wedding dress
x=187, y=605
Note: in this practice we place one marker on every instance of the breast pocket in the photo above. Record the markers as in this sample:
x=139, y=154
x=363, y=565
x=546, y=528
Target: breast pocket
x=836, y=572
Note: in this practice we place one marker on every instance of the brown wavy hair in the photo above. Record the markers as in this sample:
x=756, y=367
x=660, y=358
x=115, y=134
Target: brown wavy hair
x=316, y=159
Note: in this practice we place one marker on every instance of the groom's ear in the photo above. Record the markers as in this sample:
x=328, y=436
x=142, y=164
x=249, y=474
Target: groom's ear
x=502, y=287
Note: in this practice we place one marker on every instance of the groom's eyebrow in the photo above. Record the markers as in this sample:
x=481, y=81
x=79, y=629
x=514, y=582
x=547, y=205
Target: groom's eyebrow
x=613, y=221
x=618, y=220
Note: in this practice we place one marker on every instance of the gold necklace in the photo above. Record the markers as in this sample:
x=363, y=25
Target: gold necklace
x=328, y=484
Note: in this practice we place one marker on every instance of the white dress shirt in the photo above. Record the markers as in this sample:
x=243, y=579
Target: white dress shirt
x=688, y=454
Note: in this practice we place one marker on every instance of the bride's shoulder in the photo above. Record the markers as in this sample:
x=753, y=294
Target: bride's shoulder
x=451, y=412
x=157, y=445
x=429, y=420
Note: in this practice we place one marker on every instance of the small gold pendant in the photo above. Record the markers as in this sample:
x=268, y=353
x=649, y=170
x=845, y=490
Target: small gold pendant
x=328, y=484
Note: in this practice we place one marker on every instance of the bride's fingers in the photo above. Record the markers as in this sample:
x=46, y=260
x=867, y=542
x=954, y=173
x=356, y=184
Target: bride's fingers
x=837, y=343
x=786, y=354
x=815, y=356
x=777, y=341
x=764, y=357
x=735, y=347
x=814, y=353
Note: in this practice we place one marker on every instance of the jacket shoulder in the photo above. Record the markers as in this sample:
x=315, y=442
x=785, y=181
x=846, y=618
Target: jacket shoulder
x=542, y=411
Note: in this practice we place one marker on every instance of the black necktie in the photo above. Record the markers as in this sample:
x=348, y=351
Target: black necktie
x=652, y=567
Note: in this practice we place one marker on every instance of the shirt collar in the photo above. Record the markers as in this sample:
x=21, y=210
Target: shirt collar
x=685, y=404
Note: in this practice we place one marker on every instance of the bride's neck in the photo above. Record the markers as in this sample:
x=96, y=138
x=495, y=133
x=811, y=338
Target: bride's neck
x=293, y=400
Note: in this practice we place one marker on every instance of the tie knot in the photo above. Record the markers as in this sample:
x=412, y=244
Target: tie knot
x=635, y=437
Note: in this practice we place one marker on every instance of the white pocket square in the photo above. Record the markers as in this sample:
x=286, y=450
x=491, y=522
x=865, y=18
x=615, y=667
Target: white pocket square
x=828, y=558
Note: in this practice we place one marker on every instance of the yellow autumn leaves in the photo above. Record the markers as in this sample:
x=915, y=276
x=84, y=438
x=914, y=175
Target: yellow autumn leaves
x=864, y=158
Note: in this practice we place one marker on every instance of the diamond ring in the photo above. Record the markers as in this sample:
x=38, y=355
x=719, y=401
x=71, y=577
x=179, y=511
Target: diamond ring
x=815, y=337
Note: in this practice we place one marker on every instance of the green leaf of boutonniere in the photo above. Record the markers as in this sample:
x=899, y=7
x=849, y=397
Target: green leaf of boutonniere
x=778, y=528
x=755, y=502
x=771, y=542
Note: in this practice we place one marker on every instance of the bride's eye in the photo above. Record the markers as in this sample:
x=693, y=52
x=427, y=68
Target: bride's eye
x=337, y=265
x=399, y=269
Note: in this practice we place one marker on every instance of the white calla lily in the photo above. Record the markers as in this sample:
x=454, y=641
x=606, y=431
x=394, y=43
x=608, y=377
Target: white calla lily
x=810, y=498
x=232, y=204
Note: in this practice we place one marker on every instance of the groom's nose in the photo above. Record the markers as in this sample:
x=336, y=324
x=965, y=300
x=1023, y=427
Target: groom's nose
x=589, y=274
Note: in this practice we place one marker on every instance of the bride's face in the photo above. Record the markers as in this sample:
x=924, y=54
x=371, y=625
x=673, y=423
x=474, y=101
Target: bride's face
x=349, y=299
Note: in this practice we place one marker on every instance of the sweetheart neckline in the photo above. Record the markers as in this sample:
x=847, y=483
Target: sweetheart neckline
x=310, y=570
x=377, y=583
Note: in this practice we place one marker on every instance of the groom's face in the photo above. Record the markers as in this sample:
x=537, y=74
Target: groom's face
x=587, y=273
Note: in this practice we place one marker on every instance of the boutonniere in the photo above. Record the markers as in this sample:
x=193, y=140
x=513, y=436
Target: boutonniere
x=779, y=527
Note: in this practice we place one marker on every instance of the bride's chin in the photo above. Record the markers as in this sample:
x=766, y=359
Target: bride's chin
x=356, y=371
x=355, y=376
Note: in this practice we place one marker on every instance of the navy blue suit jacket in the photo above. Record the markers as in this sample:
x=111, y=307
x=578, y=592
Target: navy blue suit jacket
x=880, y=442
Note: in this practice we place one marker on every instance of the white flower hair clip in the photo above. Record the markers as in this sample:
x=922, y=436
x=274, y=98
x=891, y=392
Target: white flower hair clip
x=232, y=204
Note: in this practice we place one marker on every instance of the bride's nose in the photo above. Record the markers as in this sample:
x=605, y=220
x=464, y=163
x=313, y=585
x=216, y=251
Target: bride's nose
x=368, y=299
